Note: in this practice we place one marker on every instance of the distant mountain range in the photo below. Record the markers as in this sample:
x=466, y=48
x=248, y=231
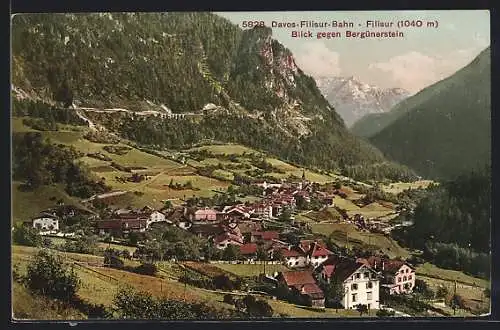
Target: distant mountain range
x=443, y=130
x=354, y=99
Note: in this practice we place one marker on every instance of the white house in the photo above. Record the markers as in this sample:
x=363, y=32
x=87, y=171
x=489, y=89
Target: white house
x=398, y=277
x=361, y=282
x=155, y=216
x=46, y=223
x=295, y=257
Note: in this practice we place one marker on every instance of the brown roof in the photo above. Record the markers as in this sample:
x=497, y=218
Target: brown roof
x=266, y=235
x=224, y=236
x=206, y=229
x=345, y=267
x=388, y=265
x=311, y=289
x=122, y=223
x=249, y=226
x=294, y=278
x=249, y=248
x=291, y=253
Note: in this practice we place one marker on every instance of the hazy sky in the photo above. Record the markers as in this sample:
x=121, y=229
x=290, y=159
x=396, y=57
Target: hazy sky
x=423, y=56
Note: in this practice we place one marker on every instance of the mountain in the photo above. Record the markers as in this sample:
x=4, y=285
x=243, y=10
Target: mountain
x=233, y=85
x=353, y=99
x=445, y=129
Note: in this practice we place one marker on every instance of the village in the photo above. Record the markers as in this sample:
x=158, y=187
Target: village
x=262, y=232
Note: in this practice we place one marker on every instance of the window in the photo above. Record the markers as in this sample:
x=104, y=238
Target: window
x=354, y=286
x=296, y=263
x=369, y=285
x=354, y=295
x=399, y=279
x=367, y=275
x=369, y=296
x=407, y=270
x=358, y=275
x=404, y=278
x=410, y=277
x=402, y=271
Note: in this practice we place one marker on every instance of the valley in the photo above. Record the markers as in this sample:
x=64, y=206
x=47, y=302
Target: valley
x=202, y=174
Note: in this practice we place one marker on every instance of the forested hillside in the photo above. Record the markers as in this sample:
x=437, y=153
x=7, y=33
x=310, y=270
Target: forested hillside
x=181, y=62
x=445, y=129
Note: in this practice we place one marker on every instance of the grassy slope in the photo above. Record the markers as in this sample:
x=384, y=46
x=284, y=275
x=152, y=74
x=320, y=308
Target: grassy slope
x=100, y=288
x=359, y=238
x=27, y=306
x=28, y=204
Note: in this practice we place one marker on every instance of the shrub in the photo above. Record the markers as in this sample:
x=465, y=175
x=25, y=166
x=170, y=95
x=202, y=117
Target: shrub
x=24, y=235
x=49, y=276
x=228, y=299
x=146, y=269
x=385, y=313
x=112, y=259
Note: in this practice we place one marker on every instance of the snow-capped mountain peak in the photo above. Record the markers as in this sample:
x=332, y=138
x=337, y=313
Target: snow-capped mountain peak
x=353, y=99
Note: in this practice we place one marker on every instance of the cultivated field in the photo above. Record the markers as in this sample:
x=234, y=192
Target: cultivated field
x=397, y=187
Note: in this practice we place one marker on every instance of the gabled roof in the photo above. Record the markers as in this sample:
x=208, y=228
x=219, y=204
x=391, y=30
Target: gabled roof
x=293, y=252
x=266, y=235
x=249, y=248
x=344, y=268
x=299, y=277
x=387, y=265
x=311, y=289
x=227, y=236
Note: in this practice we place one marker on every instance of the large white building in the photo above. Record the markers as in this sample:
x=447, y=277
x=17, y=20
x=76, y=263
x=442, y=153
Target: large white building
x=361, y=282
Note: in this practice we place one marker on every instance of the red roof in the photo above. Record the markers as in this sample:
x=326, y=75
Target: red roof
x=266, y=235
x=222, y=237
x=388, y=265
x=290, y=253
x=294, y=278
x=249, y=248
x=309, y=288
x=109, y=224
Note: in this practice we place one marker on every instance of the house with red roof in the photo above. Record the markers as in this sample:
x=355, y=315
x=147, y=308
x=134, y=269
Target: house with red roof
x=294, y=257
x=261, y=236
x=249, y=251
x=360, y=281
x=223, y=240
x=398, y=277
x=303, y=286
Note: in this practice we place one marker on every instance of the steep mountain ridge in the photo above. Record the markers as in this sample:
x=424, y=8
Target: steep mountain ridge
x=190, y=63
x=445, y=129
x=354, y=99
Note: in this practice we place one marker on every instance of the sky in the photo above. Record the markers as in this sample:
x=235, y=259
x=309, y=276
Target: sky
x=422, y=57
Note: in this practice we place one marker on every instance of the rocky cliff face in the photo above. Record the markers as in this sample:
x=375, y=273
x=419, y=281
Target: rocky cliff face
x=182, y=62
x=354, y=99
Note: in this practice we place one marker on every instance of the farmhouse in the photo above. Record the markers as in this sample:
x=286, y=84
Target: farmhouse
x=317, y=254
x=303, y=286
x=205, y=215
x=119, y=227
x=249, y=251
x=294, y=257
x=222, y=241
x=261, y=236
x=361, y=282
x=46, y=223
x=398, y=277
